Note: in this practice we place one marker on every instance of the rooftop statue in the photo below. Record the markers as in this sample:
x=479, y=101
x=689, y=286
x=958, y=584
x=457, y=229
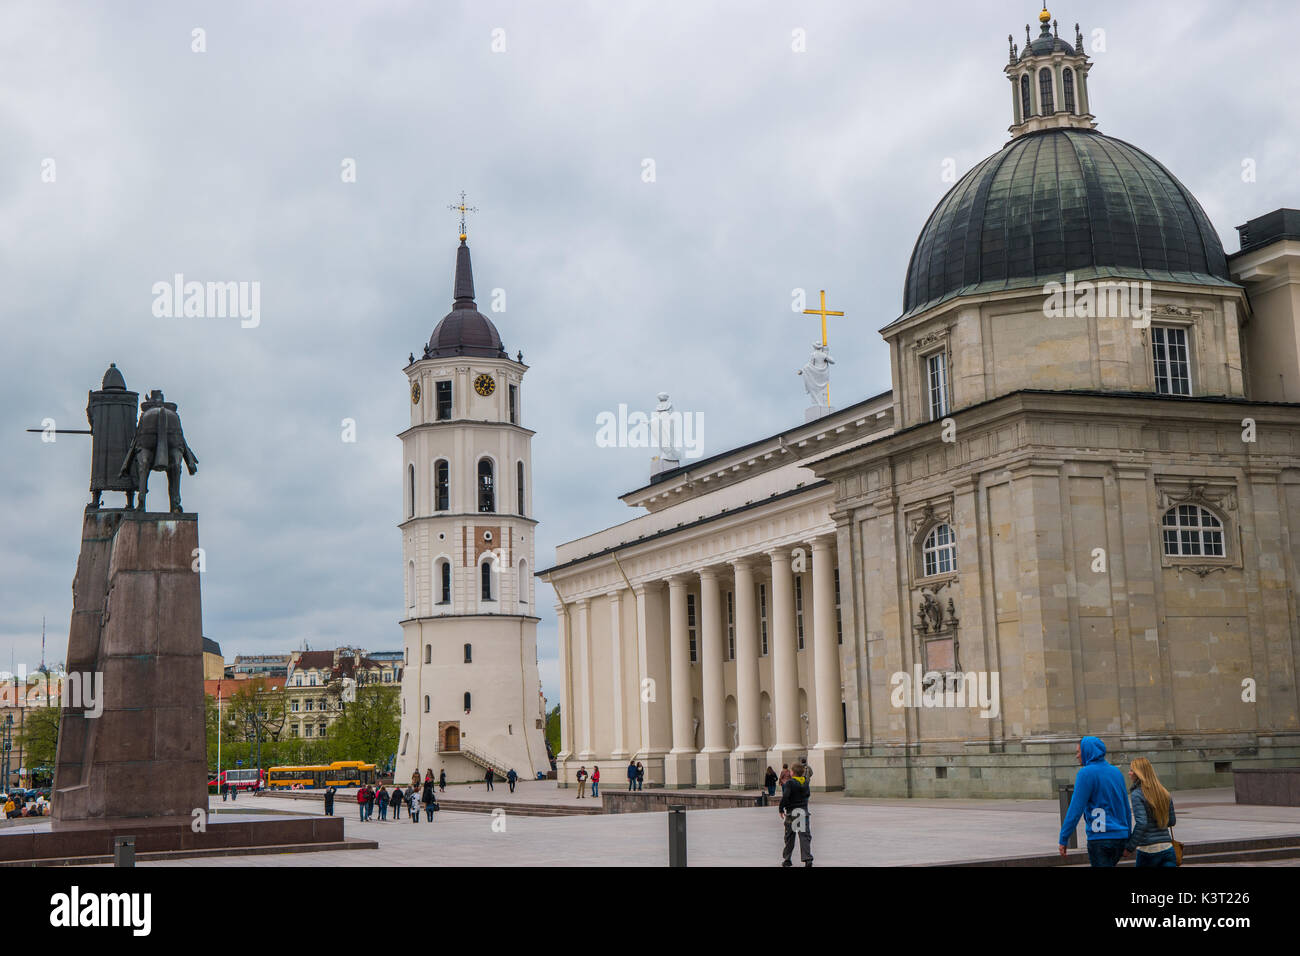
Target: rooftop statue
x=159, y=445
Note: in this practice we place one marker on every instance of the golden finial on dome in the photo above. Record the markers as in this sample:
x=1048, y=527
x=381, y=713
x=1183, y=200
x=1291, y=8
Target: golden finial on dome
x=1044, y=16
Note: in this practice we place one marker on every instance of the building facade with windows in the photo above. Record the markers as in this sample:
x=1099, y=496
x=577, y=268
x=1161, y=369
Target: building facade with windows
x=316, y=687
x=1077, y=511
x=471, y=696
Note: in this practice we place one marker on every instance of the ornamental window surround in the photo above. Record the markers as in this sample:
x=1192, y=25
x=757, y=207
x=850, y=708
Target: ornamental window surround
x=1190, y=530
x=939, y=551
x=1171, y=360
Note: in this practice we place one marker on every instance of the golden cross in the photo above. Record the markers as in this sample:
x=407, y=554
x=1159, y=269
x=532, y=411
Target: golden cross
x=823, y=312
x=462, y=209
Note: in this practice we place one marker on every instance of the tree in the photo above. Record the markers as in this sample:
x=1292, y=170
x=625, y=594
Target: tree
x=40, y=736
x=553, y=730
x=369, y=727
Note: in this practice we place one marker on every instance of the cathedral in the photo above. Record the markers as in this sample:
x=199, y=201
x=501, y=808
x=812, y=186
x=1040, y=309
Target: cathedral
x=471, y=698
x=1076, y=510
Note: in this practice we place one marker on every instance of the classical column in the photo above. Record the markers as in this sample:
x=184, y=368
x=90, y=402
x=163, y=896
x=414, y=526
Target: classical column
x=582, y=638
x=785, y=666
x=653, y=687
x=616, y=658
x=678, y=763
x=711, y=764
x=825, y=755
x=746, y=771
x=566, y=689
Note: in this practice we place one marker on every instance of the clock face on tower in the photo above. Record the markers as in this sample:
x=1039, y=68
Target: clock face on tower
x=415, y=393
x=485, y=385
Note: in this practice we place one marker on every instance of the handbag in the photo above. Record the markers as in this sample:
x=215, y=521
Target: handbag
x=1178, y=848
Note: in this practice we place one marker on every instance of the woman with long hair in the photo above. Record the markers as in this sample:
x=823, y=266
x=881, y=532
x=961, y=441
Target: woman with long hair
x=1153, y=817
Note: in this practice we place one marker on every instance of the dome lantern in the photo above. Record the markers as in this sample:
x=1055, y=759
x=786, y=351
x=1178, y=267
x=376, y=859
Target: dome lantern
x=1049, y=81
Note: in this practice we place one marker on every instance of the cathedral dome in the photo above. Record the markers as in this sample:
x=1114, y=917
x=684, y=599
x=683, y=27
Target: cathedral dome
x=464, y=330
x=1062, y=200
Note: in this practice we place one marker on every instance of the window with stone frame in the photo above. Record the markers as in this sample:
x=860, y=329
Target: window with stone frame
x=936, y=384
x=442, y=485
x=1045, y=91
x=939, y=551
x=443, y=393
x=1026, y=100
x=444, y=581
x=731, y=625
x=690, y=626
x=1171, y=360
x=798, y=609
x=487, y=493
x=1067, y=84
x=1190, y=530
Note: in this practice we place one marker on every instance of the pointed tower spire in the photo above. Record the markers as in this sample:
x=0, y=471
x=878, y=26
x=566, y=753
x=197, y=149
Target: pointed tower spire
x=464, y=287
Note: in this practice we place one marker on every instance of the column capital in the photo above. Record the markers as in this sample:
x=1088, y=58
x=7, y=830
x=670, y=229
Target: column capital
x=616, y=594
x=679, y=580
x=646, y=587
x=749, y=561
x=708, y=574
x=823, y=542
x=580, y=603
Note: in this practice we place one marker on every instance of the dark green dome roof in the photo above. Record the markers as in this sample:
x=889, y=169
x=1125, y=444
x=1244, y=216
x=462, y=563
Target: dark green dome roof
x=1057, y=201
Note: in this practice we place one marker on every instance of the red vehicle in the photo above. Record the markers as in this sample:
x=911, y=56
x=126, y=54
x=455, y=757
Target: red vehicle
x=241, y=779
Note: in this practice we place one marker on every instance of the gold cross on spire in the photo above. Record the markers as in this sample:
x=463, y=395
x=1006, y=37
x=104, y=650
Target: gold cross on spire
x=823, y=312
x=461, y=208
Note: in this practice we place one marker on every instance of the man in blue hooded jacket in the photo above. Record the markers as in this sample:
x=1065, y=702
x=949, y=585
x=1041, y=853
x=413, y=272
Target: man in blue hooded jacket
x=1099, y=791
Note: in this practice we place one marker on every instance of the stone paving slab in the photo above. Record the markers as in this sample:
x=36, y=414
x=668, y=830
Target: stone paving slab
x=846, y=832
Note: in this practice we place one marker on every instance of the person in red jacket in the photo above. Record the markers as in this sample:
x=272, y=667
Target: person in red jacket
x=595, y=781
x=361, y=802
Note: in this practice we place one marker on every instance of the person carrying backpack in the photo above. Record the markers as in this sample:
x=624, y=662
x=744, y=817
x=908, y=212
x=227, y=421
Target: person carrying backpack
x=794, y=813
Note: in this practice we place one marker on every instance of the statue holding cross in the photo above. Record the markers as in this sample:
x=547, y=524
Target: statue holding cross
x=817, y=374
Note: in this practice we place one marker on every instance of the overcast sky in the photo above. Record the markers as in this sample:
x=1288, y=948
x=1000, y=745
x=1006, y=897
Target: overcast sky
x=773, y=170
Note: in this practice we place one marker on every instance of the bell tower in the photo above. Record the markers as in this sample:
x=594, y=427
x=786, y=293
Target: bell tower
x=471, y=697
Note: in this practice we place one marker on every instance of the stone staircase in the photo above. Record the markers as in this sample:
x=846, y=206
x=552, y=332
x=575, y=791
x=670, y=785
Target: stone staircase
x=1260, y=850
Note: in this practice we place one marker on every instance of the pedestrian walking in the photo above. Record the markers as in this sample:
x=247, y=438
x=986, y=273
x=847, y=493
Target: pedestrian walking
x=631, y=774
x=234, y=792
x=794, y=813
x=225, y=790
x=442, y=779
x=595, y=781
x=582, y=782
x=381, y=799
x=488, y=778
x=431, y=806
x=361, y=803
x=427, y=797
x=370, y=802
x=1152, y=836
x=398, y=798
x=1099, y=791
x=512, y=778
x=329, y=801
x=769, y=781
x=785, y=775
x=413, y=802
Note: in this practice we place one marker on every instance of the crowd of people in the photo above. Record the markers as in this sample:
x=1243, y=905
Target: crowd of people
x=419, y=795
x=19, y=803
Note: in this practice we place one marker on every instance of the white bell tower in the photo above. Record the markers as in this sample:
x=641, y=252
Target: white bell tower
x=471, y=697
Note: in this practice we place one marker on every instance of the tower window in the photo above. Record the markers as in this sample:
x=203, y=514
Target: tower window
x=523, y=582
x=444, y=582
x=1045, y=90
x=1169, y=353
x=1026, y=107
x=410, y=504
x=410, y=592
x=485, y=578
x=798, y=609
x=1067, y=91
x=467, y=702
x=428, y=653
x=690, y=627
x=519, y=485
x=469, y=654
x=762, y=620
x=939, y=551
x=442, y=485
x=1190, y=530
x=937, y=384
x=487, y=492
x=513, y=392
x=443, y=392
x=426, y=703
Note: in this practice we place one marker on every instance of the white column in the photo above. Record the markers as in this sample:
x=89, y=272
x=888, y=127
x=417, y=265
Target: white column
x=785, y=665
x=825, y=755
x=567, y=744
x=746, y=771
x=653, y=687
x=616, y=657
x=711, y=764
x=677, y=765
x=582, y=637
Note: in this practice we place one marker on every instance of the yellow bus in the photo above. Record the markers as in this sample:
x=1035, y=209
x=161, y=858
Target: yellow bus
x=340, y=773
